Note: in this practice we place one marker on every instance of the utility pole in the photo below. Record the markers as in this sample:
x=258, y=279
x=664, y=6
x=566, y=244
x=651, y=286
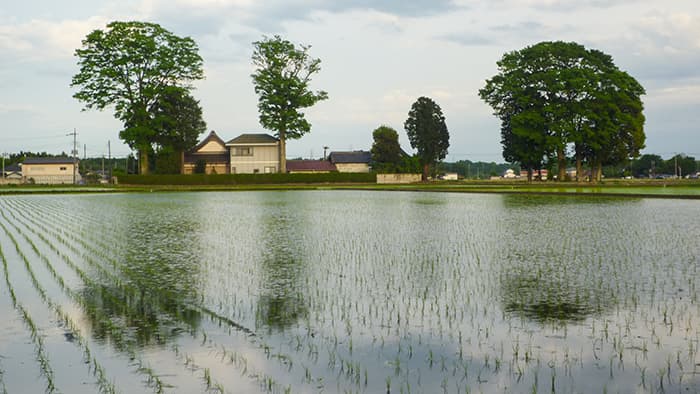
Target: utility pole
x=75, y=152
x=109, y=157
x=675, y=166
x=3, y=164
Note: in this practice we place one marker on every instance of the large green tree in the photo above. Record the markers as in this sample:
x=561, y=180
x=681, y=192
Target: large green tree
x=129, y=65
x=555, y=96
x=386, y=150
x=177, y=120
x=427, y=132
x=282, y=77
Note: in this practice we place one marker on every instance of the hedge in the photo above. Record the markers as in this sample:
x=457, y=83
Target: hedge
x=247, y=179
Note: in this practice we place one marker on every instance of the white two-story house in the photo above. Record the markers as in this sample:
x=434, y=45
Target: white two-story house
x=254, y=154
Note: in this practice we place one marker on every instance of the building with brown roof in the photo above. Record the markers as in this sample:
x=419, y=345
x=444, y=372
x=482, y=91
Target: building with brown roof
x=212, y=154
x=310, y=166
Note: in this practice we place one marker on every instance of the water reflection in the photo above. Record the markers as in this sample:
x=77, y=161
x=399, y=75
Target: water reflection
x=547, y=300
x=152, y=301
x=281, y=303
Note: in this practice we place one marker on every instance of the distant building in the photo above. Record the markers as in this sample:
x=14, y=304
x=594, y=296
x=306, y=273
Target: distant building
x=13, y=171
x=253, y=154
x=310, y=166
x=212, y=152
x=353, y=161
x=510, y=174
x=450, y=176
x=50, y=170
x=536, y=174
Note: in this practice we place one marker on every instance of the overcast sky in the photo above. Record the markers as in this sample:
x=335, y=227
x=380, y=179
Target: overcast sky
x=377, y=57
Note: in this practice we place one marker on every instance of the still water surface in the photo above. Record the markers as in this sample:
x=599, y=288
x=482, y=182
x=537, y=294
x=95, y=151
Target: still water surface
x=348, y=291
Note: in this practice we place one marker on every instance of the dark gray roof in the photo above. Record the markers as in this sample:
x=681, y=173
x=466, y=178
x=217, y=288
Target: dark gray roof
x=358, y=156
x=13, y=168
x=253, y=139
x=48, y=160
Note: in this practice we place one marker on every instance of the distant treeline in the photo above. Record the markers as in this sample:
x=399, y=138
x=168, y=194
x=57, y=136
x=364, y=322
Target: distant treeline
x=647, y=165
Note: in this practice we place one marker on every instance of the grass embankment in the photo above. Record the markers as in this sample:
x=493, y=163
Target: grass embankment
x=681, y=188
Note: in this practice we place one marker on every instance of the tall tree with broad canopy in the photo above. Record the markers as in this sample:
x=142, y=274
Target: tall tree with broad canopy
x=578, y=95
x=282, y=77
x=386, y=150
x=427, y=133
x=130, y=65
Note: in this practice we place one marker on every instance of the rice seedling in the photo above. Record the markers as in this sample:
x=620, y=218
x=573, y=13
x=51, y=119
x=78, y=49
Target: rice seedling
x=444, y=306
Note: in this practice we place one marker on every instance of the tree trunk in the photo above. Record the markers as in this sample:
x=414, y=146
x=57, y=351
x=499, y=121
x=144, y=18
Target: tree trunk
x=529, y=175
x=181, y=157
x=283, y=152
x=143, y=161
x=599, y=171
x=561, y=161
x=426, y=172
x=579, y=168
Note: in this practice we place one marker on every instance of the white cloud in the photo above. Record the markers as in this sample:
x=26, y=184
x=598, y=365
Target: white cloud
x=43, y=40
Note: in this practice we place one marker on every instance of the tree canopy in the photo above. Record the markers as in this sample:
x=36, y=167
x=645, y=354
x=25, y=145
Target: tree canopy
x=130, y=65
x=554, y=97
x=386, y=151
x=281, y=79
x=427, y=132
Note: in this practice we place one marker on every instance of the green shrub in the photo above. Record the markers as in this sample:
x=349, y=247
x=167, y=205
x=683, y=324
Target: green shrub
x=247, y=179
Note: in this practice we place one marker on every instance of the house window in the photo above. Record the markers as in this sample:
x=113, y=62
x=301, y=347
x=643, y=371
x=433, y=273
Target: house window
x=243, y=151
x=63, y=168
x=270, y=170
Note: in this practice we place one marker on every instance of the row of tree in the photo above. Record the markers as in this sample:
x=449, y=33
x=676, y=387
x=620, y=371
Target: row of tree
x=557, y=99
x=146, y=73
x=427, y=132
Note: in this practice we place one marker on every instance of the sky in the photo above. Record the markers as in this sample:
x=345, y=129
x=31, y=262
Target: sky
x=377, y=58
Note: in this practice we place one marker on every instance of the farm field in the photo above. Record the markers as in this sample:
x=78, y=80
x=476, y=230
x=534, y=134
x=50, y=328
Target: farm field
x=345, y=291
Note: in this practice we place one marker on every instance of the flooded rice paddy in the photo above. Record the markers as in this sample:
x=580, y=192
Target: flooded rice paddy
x=347, y=292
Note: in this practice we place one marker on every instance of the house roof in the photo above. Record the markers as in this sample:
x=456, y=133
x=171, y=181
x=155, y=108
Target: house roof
x=310, y=165
x=48, y=160
x=13, y=168
x=251, y=139
x=358, y=156
x=212, y=137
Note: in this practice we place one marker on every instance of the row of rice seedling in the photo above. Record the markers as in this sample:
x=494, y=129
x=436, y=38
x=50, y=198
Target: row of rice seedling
x=41, y=354
x=439, y=306
x=207, y=377
x=103, y=382
x=117, y=335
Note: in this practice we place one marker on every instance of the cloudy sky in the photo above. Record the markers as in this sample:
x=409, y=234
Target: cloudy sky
x=377, y=58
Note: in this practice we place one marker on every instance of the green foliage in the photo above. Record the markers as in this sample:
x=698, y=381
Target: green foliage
x=177, y=119
x=200, y=166
x=477, y=170
x=552, y=95
x=168, y=161
x=387, y=155
x=248, y=179
x=282, y=77
x=131, y=65
x=427, y=132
